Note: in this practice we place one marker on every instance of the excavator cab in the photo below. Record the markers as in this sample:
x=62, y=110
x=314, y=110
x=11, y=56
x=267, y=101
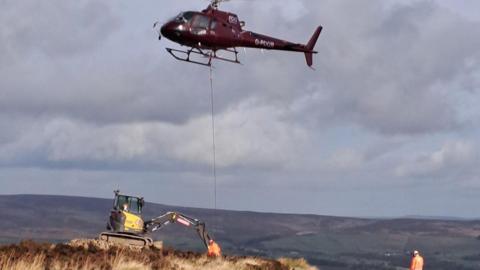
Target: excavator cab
x=125, y=224
x=126, y=215
x=127, y=203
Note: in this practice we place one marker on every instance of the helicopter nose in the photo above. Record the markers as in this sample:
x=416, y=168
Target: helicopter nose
x=164, y=30
x=171, y=30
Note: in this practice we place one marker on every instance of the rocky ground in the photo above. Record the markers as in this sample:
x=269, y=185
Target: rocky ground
x=94, y=254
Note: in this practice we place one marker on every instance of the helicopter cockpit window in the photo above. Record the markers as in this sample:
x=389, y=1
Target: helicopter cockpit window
x=200, y=24
x=184, y=17
x=188, y=16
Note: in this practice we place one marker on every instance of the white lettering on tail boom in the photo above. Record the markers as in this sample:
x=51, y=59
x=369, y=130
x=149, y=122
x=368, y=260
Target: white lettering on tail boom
x=264, y=43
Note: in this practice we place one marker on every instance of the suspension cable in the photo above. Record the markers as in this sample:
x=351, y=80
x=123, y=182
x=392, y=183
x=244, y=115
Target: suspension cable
x=213, y=142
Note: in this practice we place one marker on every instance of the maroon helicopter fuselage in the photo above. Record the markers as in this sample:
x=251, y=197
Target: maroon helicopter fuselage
x=214, y=30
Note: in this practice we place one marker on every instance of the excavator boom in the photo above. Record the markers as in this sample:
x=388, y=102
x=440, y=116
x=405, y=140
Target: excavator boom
x=174, y=217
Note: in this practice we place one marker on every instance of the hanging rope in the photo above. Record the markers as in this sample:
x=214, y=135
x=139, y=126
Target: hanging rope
x=213, y=142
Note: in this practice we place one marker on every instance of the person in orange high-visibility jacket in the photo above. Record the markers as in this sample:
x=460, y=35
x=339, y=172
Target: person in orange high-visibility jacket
x=213, y=249
x=417, y=261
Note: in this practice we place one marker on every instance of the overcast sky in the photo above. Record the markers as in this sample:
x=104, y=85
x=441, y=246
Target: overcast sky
x=387, y=125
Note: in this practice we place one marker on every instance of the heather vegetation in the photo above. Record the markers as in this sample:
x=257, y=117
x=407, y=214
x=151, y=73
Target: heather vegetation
x=29, y=255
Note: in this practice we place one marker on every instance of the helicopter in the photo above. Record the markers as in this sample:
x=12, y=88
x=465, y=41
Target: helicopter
x=213, y=30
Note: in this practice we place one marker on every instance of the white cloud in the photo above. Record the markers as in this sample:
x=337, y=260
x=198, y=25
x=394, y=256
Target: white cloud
x=247, y=135
x=54, y=28
x=453, y=158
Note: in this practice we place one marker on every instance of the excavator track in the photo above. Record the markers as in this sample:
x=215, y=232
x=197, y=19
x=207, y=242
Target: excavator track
x=126, y=239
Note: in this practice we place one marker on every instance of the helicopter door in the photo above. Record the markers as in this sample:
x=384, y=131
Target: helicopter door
x=200, y=24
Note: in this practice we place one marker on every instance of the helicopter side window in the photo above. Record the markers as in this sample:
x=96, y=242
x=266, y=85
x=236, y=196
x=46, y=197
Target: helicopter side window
x=200, y=24
x=213, y=25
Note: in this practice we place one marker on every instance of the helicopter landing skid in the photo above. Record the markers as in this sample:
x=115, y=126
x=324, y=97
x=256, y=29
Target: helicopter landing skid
x=185, y=56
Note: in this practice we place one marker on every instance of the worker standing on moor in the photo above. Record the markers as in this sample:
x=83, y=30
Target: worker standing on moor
x=213, y=249
x=417, y=261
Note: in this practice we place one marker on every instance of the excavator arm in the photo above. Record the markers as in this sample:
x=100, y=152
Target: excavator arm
x=174, y=217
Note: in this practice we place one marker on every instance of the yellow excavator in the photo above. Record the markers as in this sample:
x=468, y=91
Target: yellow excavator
x=127, y=226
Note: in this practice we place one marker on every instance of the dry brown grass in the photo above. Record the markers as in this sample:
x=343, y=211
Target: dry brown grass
x=297, y=264
x=34, y=256
x=9, y=261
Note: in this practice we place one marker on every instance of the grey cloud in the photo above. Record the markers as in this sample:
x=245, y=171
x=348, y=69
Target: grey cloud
x=250, y=137
x=55, y=28
x=376, y=69
x=379, y=66
x=383, y=70
x=364, y=76
x=454, y=161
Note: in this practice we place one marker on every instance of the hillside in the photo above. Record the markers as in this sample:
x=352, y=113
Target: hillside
x=328, y=242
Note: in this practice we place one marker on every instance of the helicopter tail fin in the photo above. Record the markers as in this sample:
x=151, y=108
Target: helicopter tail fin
x=309, y=58
x=313, y=40
x=311, y=45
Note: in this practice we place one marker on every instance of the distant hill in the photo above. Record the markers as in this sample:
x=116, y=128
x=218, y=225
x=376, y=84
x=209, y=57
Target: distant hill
x=329, y=242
